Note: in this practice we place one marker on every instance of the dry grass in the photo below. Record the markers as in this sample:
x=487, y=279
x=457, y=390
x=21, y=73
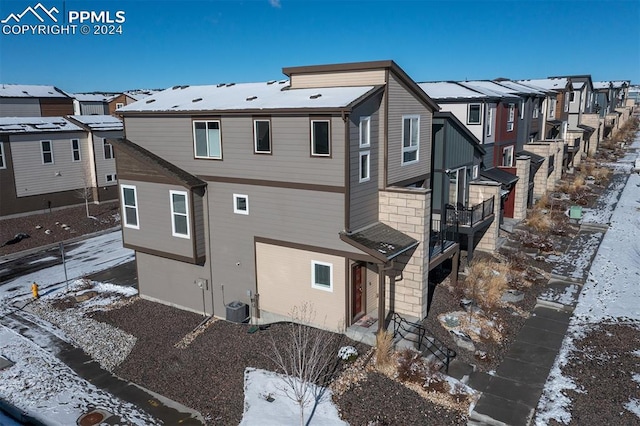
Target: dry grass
x=543, y=202
x=487, y=281
x=384, y=348
x=539, y=220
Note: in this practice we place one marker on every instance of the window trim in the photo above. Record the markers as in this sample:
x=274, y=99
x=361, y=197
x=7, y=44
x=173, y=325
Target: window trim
x=504, y=149
x=312, y=136
x=536, y=109
x=364, y=120
x=553, y=103
x=124, y=206
x=489, y=121
x=193, y=126
x=114, y=178
x=42, y=152
x=255, y=135
x=236, y=210
x=522, y=109
x=475, y=171
x=367, y=178
x=73, y=151
x=3, y=164
x=511, y=117
x=479, y=113
x=174, y=214
x=314, y=283
x=104, y=145
x=119, y=105
x=410, y=148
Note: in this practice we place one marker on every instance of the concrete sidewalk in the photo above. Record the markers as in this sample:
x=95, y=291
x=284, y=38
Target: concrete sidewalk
x=511, y=395
x=163, y=409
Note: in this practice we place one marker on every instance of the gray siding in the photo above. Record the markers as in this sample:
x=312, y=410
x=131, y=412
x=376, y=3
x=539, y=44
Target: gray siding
x=94, y=108
x=34, y=178
x=296, y=216
x=172, y=139
x=154, y=219
x=199, y=225
x=104, y=166
x=364, y=196
x=402, y=102
x=19, y=107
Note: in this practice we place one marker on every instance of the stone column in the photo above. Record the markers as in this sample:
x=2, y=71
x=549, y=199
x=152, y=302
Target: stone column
x=523, y=169
x=480, y=191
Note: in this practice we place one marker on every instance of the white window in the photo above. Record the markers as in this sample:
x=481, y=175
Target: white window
x=512, y=116
x=475, y=172
x=179, y=214
x=536, y=108
x=473, y=116
x=552, y=108
x=207, y=140
x=240, y=204
x=410, y=138
x=365, y=132
x=364, y=166
x=75, y=150
x=3, y=164
x=507, y=156
x=108, y=150
x=47, y=152
x=320, y=138
x=322, y=275
x=262, y=136
x=489, y=120
x=572, y=97
x=130, y=206
x=566, y=101
x=111, y=177
x=119, y=105
x=522, y=109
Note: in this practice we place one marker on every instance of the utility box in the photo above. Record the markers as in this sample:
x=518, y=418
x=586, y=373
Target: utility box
x=575, y=212
x=237, y=311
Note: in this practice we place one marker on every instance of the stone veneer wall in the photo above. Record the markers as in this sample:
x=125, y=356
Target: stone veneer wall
x=540, y=179
x=577, y=157
x=593, y=120
x=557, y=172
x=409, y=211
x=523, y=169
x=478, y=192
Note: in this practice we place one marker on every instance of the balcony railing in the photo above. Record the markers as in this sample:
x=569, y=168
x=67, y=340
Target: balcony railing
x=470, y=216
x=442, y=236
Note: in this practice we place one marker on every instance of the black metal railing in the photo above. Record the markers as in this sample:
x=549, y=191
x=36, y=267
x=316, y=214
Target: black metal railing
x=470, y=216
x=442, y=236
x=417, y=333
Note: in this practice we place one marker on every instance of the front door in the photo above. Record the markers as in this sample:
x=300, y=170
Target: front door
x=358, y=277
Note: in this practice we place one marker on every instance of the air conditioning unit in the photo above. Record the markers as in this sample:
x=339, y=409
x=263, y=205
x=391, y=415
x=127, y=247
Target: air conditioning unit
x=237, y=311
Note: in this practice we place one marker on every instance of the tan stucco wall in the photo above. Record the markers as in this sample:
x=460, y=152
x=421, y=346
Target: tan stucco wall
x=284, y=282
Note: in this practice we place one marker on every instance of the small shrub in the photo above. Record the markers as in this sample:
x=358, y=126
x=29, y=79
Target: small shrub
x=543, y=202
x=384, y=346
x=348, y=353
x=538, y=220
x=459, y=393
x=486, y=282
x=410, y=366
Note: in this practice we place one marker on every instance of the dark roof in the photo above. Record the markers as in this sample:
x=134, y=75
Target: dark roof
x=535, y=158
x=187, y=179
x=499, y=175
x=587, y=128
x=380, y=241
x=555, y=122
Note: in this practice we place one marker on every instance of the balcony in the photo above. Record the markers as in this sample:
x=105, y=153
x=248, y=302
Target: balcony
x=443, y=236
x=470, y=216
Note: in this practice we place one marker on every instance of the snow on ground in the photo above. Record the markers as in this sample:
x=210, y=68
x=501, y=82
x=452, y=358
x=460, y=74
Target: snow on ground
x=51, y=392
x=261, y=385
x=611, y=293
x=86, y=257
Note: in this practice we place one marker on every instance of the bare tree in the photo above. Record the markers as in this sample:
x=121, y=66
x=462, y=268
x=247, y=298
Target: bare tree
x=305, y=358
x=85, y=193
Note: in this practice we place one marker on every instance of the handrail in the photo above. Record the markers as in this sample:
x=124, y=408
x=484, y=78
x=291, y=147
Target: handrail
x=470, y=216
x=401, y=325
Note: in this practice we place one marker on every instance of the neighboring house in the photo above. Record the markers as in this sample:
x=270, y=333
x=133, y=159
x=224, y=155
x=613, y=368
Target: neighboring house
x=316, y=189
x=91, y=103
x=101, y=130
x=46, y=163
x=458, y=189
x=23, y=100
x=491, y=117
x=120, y=100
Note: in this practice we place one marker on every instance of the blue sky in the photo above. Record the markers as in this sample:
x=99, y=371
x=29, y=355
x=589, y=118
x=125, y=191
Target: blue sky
x=169, y=42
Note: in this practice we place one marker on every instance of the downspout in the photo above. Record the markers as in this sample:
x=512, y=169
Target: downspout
x=208, y=241
x=382, y=268
x=347, y=172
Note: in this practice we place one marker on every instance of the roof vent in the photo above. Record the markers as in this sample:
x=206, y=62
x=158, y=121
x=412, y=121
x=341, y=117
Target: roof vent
x=282, y=81
x=316, y=96
x=197, y=100
x=150, y=100
x=175, y=106
x=271, y=81
x=221, y=84
x=230, y=84
x=184, y=87
x=250, y=98
x=25, y=92
x=175, y=87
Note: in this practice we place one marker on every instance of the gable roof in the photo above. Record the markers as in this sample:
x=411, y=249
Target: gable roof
x=362, y=66
x=601, y=85
x=490, y=88
x=30, y=91
x=557, y=84
x=92, y=97
x=12, y=125
x=380, y=241
x=247, y=97
x=450, y=90
x=97, y=122
x=521, y=88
